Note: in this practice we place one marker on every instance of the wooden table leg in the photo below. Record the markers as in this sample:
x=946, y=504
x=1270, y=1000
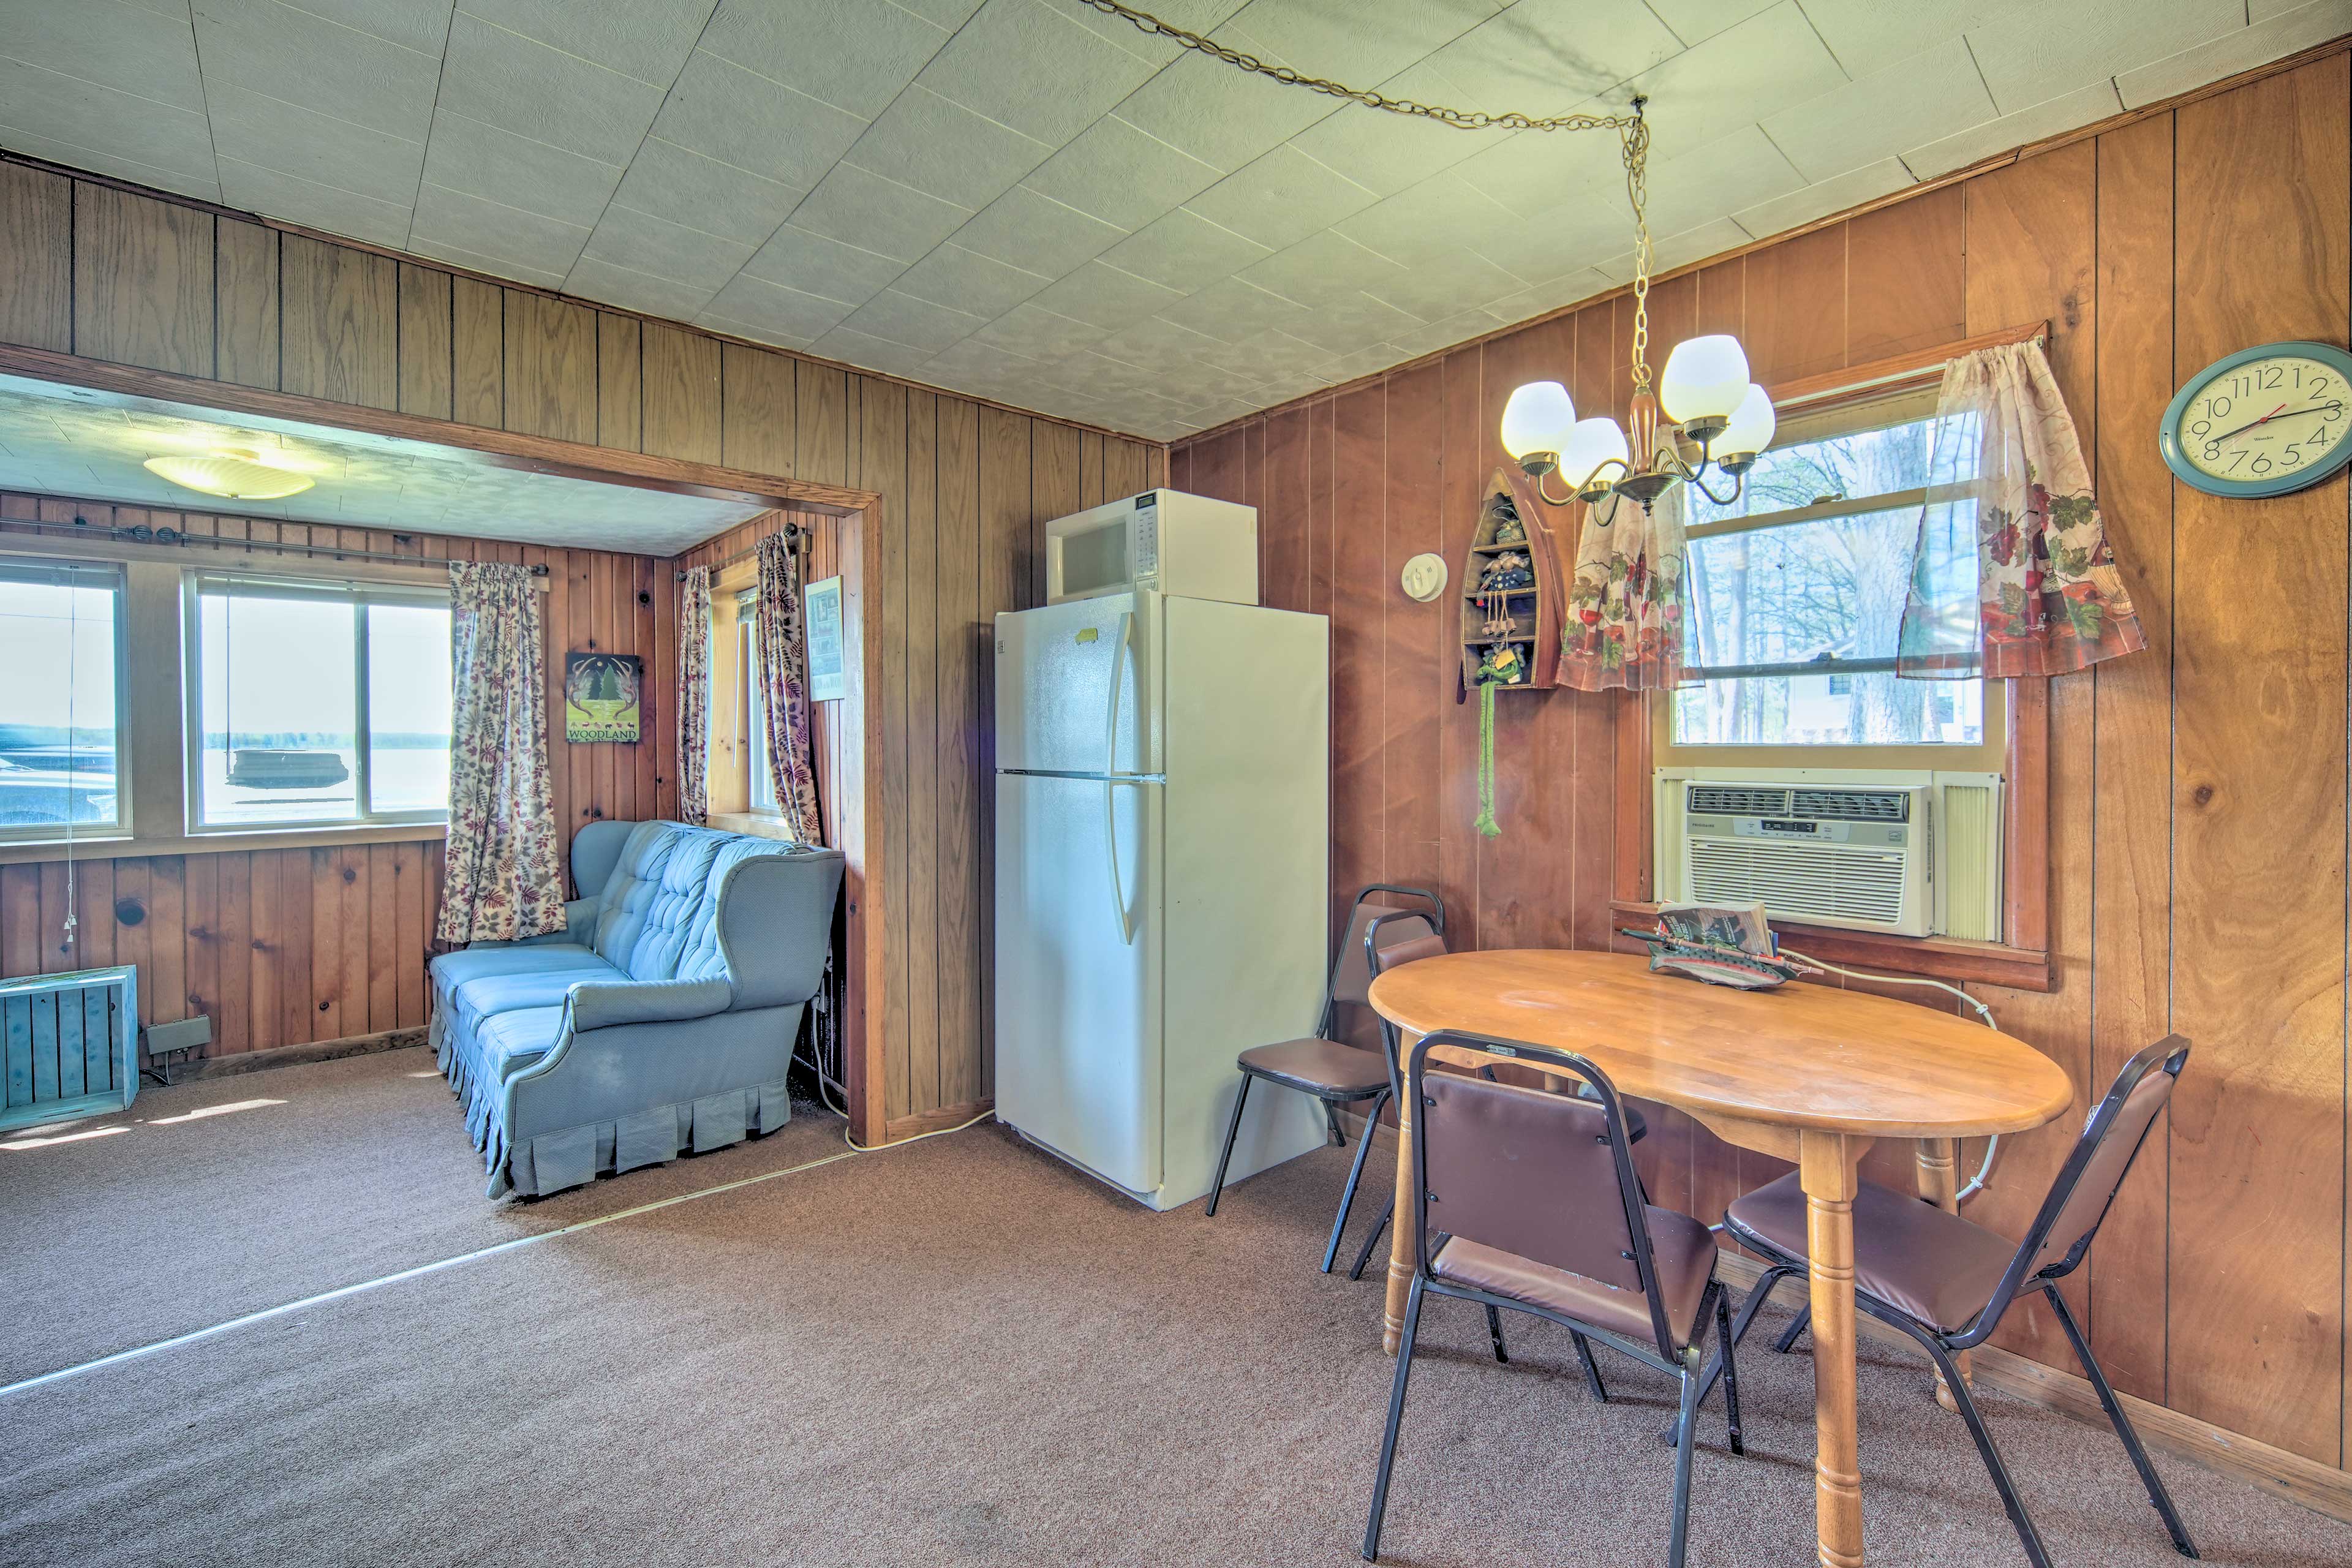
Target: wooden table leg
x=1826, y=1169
x=1400, y=1233
x=1939, y=1183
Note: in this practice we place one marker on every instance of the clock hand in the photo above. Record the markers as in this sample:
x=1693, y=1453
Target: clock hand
x=2315, y=408
x=2249, y=425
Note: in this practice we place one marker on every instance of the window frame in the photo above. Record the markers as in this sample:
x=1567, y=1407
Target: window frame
x=2021, y=960
x=360, y=594
x=25, y=567
x=1878, y=408
x=758, y=783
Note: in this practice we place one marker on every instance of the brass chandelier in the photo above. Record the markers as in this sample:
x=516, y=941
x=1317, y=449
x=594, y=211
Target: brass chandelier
x=1719, y=419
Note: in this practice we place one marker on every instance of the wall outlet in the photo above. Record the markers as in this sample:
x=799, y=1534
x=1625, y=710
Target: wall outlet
x=183, y=1036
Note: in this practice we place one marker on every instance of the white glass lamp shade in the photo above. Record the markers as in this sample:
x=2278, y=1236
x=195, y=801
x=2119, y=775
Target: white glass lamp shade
x=1751, y=426
x=1591, y=443
x=232, y=476
x=1705, y=379
x=1536, y=418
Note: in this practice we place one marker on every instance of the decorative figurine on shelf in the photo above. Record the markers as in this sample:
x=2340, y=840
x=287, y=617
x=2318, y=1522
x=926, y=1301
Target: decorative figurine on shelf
x=1506, y=574
x=1502, y=664
x=1508, y=529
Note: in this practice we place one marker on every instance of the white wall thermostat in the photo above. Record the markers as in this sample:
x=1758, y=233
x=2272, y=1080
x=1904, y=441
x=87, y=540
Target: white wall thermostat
x=1424, y=577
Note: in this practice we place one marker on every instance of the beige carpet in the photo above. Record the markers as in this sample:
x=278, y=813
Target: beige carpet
x=959, y=1353
x=171, y=1224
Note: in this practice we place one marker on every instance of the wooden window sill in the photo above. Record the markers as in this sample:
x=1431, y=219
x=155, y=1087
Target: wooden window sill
x=134, y=847
x=1942, y=958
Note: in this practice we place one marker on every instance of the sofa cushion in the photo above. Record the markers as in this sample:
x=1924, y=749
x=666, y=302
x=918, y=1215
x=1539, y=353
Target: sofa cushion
x=659, y=916
x=652, y=898
x=698, y=956
x=451, y=970
x=496, y=994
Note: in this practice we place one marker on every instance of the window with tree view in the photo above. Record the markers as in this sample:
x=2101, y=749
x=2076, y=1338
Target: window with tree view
x=1797, y=591
x=314, y=704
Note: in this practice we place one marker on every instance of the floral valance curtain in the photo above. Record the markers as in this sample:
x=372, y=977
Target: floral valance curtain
x=784, y=689
x=1626, y=624
x=2012, y=574
x=694, y=696
x=501, y=878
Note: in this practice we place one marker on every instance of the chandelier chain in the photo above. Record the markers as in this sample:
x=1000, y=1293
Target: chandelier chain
x=1632, y=131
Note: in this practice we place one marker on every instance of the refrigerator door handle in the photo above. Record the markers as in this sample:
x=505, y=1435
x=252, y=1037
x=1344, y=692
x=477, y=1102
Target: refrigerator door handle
x=1110, y=706
x=1127, y=922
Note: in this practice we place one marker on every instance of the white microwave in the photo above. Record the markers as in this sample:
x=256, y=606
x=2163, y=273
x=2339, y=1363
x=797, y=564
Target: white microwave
x=1164, y=541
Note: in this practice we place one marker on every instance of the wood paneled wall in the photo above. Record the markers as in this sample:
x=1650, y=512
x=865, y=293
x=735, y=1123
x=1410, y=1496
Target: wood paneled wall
x=150, y=279
x=2198, y=790
x=288, y=946
x=969, y=488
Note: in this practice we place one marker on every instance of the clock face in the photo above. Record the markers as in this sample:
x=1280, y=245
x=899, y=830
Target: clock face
x=2264, y=422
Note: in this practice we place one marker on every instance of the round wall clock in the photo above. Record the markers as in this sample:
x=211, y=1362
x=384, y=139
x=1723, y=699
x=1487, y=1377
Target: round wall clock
x=2264, y=421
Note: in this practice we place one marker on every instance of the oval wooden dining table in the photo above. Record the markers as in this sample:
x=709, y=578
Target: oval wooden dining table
x=1808, y=1073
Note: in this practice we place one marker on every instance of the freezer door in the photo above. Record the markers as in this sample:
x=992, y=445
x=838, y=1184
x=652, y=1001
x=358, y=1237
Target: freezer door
x=1075, y=687
x=1077, y=972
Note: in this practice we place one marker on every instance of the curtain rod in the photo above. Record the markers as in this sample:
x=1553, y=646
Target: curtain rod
x=140, y=534
x=797, y=535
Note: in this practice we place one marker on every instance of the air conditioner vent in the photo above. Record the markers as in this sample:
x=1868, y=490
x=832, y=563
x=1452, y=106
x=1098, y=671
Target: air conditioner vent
x=1737, y=799
x=1799, y=881
x=1852, y=805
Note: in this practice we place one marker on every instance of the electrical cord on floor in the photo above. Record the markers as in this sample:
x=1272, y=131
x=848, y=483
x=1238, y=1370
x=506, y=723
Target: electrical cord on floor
x=1992, y=1144
x=824, y=1083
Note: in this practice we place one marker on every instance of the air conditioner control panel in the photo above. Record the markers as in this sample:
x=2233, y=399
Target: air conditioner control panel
x=1869, y=835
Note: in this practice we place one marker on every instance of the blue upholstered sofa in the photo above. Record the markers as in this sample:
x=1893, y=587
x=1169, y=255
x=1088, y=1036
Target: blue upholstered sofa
x=661, y=1018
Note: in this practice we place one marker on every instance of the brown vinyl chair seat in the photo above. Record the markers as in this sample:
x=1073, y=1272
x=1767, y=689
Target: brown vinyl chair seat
x=1681, y=1250
x=1933, y=1265
x=1324, y=1068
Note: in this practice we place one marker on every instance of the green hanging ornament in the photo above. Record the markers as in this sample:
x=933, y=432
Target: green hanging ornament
x=1503, y=665
x=1486, y=825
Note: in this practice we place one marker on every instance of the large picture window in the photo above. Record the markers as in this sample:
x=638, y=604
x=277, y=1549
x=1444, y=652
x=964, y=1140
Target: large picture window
x=316, y=704
x=61, y=701
x=1798, y=587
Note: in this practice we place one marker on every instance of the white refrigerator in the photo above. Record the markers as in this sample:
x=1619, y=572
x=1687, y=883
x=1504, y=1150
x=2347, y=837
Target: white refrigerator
x=1162, y=819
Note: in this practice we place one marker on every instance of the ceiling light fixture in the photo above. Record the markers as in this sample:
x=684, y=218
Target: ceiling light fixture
x=1721, y=420
x=236, y=474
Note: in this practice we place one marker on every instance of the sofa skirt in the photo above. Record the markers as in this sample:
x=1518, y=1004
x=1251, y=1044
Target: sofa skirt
x=574, y=1156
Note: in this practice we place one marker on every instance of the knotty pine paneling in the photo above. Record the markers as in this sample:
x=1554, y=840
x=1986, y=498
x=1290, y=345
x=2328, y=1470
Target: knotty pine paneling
x=330, y=943
x=334, y=321
x=2198, y=791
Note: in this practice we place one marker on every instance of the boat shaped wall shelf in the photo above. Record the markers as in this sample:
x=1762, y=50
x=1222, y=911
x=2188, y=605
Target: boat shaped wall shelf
x=1510, y=591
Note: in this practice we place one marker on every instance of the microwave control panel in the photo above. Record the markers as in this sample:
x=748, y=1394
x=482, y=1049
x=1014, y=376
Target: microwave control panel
x=1145, y=541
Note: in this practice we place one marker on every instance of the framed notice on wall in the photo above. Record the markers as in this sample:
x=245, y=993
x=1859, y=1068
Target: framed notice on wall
x=601, y=694
x=822, y=601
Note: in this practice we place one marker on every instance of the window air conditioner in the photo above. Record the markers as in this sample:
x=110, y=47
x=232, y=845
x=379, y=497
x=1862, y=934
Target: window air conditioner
x=1905, y=852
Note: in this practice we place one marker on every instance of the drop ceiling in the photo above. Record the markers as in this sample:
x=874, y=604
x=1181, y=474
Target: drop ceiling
x=1033, y=202
x=63, y=440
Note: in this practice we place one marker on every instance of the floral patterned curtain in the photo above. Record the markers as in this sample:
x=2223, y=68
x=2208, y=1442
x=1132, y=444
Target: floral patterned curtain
x=502, y=878
x=694, y=696
x=783, y=687
x=1626, y=624
x=2013, y=575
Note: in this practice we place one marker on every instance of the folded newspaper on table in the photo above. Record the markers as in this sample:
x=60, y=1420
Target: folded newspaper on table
x=1719, y=944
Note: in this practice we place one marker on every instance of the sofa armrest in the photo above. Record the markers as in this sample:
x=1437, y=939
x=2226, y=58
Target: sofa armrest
x=579, y=925
x=600, y=1004
x=775, y=924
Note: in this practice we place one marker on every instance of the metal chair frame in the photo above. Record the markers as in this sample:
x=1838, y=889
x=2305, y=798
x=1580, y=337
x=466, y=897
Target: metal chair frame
x=1694, y=1371
x=2168, y=1055
x=1434, y=916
